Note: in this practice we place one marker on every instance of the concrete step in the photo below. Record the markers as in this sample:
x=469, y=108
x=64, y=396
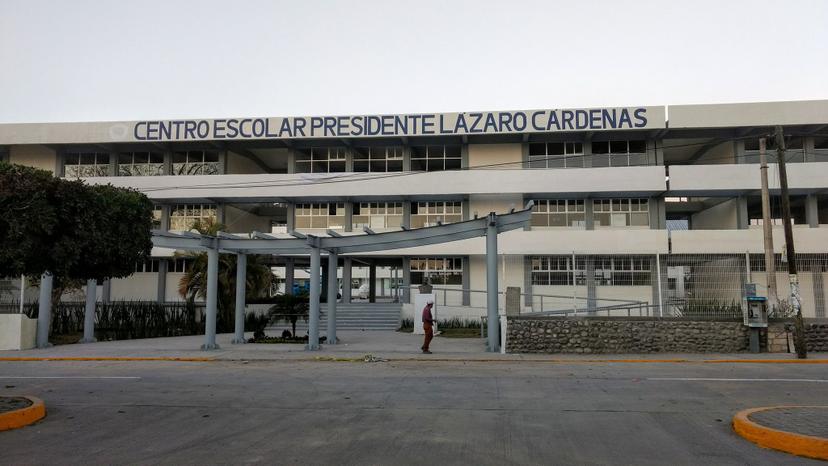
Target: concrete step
x=354, y=316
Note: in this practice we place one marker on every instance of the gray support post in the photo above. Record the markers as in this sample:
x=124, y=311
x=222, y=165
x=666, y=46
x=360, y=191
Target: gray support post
x=161, y=294
x=106, y=291
x=527, y=282
x=113, y=163
x=291, y=217
x=241, y=290
x=592, y=292
x=406, y=279
x=349, y=217
x=165, y=217
x=465, y=208
x=289, y=273
x=406, y=220
x=741, y=213
x=212, y=300
x=739, y=151
x=466, y=281
x=491, y=285
x=346, y=280
x=44, y=313
x=811, y=211
x=89, y=312
x=313, y=318
x=168, y=163
x=333, y=260
x=589, y=214
x=372, y=282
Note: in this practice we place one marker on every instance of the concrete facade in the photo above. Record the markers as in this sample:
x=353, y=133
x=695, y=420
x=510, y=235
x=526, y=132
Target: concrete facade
x=628, y=188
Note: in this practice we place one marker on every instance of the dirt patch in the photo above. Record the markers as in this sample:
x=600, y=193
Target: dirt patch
x=13, y=403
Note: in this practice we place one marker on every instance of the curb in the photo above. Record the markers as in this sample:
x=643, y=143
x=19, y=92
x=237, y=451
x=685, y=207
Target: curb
x=422, y=359
x=107, y=359
x=24, y=416
x=788, y=442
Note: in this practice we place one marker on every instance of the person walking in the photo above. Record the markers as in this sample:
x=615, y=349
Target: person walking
x=428, y=327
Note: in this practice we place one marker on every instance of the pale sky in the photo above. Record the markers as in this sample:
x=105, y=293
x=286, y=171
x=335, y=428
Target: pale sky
x=94, y=60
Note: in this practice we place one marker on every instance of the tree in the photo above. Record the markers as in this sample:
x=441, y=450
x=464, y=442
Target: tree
x=194, y=282
x=290, y=308
x=68, y=228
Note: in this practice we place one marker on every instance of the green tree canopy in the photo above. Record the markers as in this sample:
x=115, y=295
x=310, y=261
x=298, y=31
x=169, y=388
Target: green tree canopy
x=68, y=228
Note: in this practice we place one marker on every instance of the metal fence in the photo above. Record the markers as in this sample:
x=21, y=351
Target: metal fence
x=698, y=286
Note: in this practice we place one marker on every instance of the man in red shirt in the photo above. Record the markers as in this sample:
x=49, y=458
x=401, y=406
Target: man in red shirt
x=428, y=327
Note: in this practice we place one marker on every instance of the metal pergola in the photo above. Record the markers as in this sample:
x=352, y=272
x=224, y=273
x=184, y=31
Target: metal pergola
x=334, y=244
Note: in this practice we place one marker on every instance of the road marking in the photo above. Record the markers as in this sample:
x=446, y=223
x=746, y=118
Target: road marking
x=712, y=379
x=67, y=377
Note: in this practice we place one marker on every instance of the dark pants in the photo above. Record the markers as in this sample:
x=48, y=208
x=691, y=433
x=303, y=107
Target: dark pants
x=429, y=334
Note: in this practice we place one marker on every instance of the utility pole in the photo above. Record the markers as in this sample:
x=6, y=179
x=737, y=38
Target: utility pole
x=799, y=325
x=767, y=227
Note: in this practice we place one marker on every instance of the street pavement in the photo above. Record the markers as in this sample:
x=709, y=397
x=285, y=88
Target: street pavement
x=274, y=409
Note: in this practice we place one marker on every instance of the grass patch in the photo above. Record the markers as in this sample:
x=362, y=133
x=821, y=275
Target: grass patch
x=459, y=332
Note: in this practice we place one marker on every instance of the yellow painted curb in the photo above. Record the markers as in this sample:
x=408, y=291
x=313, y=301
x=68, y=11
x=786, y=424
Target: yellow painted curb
x=109, y=359
x=789, y=442
x=24, y=416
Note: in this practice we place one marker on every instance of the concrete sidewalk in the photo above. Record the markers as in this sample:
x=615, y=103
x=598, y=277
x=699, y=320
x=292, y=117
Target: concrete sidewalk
x=356, y=344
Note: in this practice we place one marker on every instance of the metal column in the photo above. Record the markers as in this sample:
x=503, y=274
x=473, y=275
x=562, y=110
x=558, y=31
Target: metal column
x=332, y=288
x=491, y=285
x=372, y=282
x=313, y=318
x=161, y=295
x=212, y=300
x=89, y=312
x=289, y=272
x=44, y=313
x=346, y=280
x=241, y=290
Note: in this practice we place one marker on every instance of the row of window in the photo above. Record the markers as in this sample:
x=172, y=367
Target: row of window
x=177, y=265
x=89, y=164
x=365, y=159
x=382, y=215
x=437, y=271
x=606, y=270
x=606, y=212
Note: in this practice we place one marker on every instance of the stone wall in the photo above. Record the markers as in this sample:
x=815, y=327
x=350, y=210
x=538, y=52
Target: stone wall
x=624, y=335
x=816, y=335
x=649, y=335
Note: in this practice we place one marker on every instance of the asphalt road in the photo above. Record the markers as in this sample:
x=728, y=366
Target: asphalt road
x=301, y=412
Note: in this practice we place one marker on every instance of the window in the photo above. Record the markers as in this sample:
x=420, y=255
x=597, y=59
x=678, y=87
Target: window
x=85, y=164
x=619, y=153
x=182, y=264
x=608, y=270
x=149, y=265
x=556, y=270
x=377, y=215
x=621, y=212
x=184, y=216
x=321, y=160
x=157, y=213
x=437, y=271
x=558, y=213
x=794, y=150
x=436, y=158
x=140, y=164
x=320, y=215
x=378, y=159
x=428, y=214
x=622, y=271
x=556, y=155
x=195, y=162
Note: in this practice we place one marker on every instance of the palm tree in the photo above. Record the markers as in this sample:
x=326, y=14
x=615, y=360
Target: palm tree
x=194, y=282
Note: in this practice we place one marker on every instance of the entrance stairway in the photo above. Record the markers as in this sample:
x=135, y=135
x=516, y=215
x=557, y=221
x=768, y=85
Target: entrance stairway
x=353, y=316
